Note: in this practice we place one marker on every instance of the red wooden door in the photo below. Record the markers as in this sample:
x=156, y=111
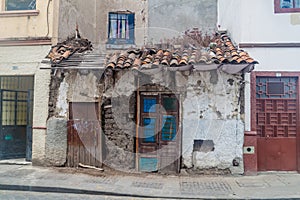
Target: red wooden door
x=276, y=123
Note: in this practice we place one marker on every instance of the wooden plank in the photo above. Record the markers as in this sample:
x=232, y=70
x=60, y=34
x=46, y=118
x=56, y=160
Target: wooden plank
x=81, y=147
x=93, y=144
x=87, y=140
x=68, y=145
x=84, y=143
x=98, y=150
x=71, y=145
x=76, y=148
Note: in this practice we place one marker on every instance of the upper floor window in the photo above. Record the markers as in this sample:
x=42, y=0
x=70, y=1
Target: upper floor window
x=20, y=5
x=287, y=6
x=121, y=28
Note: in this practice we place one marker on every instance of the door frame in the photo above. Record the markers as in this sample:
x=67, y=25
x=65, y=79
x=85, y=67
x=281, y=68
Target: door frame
x=158, y=95
x=253, y=103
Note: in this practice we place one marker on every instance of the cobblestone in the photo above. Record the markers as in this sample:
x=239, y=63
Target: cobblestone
x=147, y=185
x=200, y=187
x=37, y=182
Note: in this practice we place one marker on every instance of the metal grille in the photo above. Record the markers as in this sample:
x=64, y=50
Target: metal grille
x=276, y=107
x=21, y=83
x=276, y=87
x=16, y=106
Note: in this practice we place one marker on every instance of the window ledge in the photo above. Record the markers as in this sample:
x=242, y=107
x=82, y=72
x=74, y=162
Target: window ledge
x=24, y=41
x=19, y=13
x=120, y=46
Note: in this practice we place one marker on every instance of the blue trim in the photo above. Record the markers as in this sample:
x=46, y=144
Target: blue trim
x=148, y=164
x=168, y=132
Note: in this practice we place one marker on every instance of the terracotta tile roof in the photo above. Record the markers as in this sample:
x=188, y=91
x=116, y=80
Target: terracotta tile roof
x=222, y=51
x=64, y=50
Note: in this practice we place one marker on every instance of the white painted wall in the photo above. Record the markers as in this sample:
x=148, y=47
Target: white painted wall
x=276, y=59
x=26, y=60
x=255, y=21
x=21, y=60
x=211, y=112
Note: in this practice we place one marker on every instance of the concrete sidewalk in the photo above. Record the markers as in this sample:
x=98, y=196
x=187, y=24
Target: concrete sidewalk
x=27, y=178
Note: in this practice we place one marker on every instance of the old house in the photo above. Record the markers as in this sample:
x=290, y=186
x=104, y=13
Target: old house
x=271, y=35
x=149, y=109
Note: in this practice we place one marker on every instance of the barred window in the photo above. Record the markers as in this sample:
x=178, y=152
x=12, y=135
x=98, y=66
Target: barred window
x=121, y=28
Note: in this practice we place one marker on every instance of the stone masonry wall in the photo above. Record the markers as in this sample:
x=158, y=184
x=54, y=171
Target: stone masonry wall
x=119, y=145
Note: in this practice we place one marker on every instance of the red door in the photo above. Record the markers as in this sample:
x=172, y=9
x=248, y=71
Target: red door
x=276, y=123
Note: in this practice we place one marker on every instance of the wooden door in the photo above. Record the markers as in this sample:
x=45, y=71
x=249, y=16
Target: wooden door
x=276, y=123
x=159, y=135
x=84, y=135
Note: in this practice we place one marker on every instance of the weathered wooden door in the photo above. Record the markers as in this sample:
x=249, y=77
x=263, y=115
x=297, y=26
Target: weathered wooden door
x=84, y=135
x=159, y=136
x=276, y=123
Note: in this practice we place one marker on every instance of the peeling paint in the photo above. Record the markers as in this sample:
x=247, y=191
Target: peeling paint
x=62, y=104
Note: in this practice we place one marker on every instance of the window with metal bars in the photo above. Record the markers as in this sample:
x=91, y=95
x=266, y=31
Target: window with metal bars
x=14, y=98
x=120, y=28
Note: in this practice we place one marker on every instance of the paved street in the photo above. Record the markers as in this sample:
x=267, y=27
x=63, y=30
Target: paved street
x=29, y=182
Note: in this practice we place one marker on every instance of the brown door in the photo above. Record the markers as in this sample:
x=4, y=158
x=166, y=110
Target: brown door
x=159, y=135
x=276, y=123
x=84, y=135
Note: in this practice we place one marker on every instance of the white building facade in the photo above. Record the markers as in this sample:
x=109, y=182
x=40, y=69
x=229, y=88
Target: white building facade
x=269, y=31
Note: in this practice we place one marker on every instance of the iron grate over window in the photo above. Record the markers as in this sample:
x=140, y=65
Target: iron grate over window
x=120, y=28
x=16, y=100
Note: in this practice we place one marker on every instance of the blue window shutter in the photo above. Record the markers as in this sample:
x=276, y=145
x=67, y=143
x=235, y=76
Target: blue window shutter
x=131, y=28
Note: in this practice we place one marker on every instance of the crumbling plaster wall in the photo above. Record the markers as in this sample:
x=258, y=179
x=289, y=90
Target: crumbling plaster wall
x=92, y=19
x=82, y=13
x=170, y=18
x=210, y=110
x=66, y=87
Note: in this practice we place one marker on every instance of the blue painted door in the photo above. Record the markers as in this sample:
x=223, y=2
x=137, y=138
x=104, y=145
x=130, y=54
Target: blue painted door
x=159, y=136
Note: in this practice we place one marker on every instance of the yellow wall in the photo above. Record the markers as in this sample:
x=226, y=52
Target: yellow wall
x=28, y=25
